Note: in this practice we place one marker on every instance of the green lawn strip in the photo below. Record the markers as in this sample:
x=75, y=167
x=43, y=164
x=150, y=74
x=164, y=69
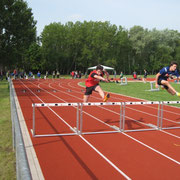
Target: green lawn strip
x=7, y=155
x=140, y=90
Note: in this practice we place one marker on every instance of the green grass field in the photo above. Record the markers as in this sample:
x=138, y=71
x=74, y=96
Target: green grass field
x=140, y=90
x=7, y=156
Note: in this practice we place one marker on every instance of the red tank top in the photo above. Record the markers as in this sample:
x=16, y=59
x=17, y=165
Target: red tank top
x=91, y=81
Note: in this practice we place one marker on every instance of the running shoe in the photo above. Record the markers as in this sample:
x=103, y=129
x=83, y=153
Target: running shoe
x=106, y=97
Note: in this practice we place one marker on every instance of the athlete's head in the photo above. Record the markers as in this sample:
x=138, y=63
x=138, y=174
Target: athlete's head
x=173, y=66
x=99, y=69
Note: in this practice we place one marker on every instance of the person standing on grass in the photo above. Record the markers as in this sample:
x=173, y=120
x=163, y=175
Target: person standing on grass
x=163, y=75
x=92, y=83
x=53, y=75
x=145, y=76
x=58, y=74
x=1, y=74
x=121, y=75
x=39, y=75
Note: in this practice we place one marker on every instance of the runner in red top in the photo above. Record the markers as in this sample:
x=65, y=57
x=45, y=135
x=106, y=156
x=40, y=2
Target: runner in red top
x=92, y=83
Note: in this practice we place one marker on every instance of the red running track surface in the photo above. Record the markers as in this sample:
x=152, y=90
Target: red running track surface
x=131, y=155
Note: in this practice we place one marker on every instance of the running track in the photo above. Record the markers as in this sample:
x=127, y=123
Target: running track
x=132, y=155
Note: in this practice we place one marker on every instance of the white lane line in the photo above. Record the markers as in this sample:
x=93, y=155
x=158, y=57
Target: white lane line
x=143, y=112
x=136, y=109
x=170, y=134
x=177, y=162
x=48, y=106
x=116, y=112
x=104, y=157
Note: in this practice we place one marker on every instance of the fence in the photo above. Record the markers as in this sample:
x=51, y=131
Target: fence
x=22, y=166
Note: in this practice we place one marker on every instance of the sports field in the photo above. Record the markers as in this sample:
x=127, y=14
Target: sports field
x=115, y=140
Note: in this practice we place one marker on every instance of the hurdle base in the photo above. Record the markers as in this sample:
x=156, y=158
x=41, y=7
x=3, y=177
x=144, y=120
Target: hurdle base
x=52, y=135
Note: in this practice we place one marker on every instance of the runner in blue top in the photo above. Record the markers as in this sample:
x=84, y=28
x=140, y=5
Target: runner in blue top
x=164, y=74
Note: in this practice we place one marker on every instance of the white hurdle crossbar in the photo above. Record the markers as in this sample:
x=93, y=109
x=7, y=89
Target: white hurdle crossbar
x=78, y=130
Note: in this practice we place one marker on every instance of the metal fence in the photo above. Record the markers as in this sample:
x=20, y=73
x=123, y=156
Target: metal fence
x=22, y=166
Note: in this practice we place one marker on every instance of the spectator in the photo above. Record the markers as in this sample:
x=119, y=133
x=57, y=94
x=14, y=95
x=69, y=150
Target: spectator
x=134, y=75
x=7, y=75
x=121, y=75
x=79, y=75
x=14, y=73
x=1, y=74
x=72, y=74
x=57, y=74
x=39, y=75
x=53, y=75
x=145, y=76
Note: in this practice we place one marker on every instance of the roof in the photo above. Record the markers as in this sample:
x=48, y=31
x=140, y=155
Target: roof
x=105, y=67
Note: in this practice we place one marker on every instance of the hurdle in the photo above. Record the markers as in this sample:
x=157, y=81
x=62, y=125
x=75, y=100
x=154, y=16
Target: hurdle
x=49, y=105
x=152, y=84
x=158, y=123
x=123, y=81
x=168, y=125
x=78, y=130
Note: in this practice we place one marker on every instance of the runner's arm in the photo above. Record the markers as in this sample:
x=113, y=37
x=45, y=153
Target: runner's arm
x=100, y=78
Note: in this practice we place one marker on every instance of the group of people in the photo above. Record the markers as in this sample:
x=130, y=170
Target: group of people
x=15, y=74
x=76, y=74
x=97, y=75
x=135, y=76
x=92, y=83
x=55, y=74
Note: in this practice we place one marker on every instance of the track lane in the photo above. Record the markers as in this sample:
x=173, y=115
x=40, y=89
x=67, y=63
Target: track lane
x=100, y=135
x=85, y=167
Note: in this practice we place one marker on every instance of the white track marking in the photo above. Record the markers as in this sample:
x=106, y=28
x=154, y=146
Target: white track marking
x=118, y=114
x=104, y=157
x=140, y=110
x=137, y=99
x=48, y=106
x=95, y=149
x=131, y=98
x=170, y=134
x=102, y=108
x=175, y=161
x=144, y=112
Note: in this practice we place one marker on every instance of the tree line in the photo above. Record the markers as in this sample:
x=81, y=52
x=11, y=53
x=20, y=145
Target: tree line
x=79, y=45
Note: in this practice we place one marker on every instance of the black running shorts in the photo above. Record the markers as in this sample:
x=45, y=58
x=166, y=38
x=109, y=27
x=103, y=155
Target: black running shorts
x=159, y=82
x=90, y=89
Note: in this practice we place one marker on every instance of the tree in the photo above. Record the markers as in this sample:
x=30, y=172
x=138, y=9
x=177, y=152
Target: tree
x=32, y=58
x=17, y=32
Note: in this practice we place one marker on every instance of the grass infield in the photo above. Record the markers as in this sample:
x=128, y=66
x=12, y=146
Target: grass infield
x=7, y=155
x=140, y=90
